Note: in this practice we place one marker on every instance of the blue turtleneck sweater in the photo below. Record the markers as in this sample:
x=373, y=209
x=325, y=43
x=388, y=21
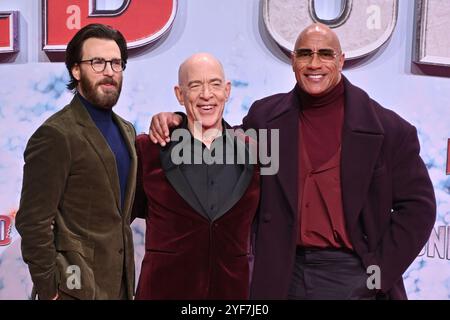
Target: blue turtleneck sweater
x=105, y=123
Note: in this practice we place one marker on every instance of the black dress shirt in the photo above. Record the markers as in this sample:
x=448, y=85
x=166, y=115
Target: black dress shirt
x=214, y=182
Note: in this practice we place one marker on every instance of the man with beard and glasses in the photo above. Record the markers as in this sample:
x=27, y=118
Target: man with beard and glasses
x=79, y=181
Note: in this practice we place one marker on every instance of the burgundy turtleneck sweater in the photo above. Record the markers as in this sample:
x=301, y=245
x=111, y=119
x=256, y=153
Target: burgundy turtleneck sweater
x=322, y=222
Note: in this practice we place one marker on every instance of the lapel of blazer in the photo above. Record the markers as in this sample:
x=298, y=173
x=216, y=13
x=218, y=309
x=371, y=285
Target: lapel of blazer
x=99, y=144
x=247, y=173
x=176, y=178
x=362, y=139
x=129, y=136
x=285, y=118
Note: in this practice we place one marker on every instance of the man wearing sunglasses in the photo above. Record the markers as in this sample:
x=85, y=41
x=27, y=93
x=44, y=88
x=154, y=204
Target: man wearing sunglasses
x=352, y=204
x=79, y=181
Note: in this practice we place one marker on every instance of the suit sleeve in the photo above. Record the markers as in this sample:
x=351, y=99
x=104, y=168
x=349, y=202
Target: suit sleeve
x=140, y=198
x=413, y=213
x=47, y=165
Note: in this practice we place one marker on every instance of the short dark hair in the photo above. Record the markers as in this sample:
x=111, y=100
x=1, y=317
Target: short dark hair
x=95, y=30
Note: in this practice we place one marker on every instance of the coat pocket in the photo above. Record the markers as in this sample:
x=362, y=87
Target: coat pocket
x=77, y=244
x=75, y=259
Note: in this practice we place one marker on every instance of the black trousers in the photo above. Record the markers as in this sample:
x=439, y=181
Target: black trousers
x=329, y=274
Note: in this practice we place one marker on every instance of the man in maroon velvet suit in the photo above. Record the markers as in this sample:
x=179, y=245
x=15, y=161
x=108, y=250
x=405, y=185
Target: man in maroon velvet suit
x=352, y=197
x=198, y=213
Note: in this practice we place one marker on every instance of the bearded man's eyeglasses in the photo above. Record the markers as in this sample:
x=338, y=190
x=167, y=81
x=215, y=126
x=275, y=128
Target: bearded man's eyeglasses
x=99, y=64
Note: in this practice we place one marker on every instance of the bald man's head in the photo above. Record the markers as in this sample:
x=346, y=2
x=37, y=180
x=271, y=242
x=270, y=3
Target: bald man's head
x=197, y=60
x=317, y=59
x=203, y=90
x=319, y=29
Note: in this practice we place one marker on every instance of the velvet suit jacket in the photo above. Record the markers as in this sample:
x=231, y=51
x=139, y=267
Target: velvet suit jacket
x=70, y=178
x=188, y=256
x=388, y=199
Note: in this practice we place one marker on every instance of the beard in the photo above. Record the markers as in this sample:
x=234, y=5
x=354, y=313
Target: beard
x=95, y=95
